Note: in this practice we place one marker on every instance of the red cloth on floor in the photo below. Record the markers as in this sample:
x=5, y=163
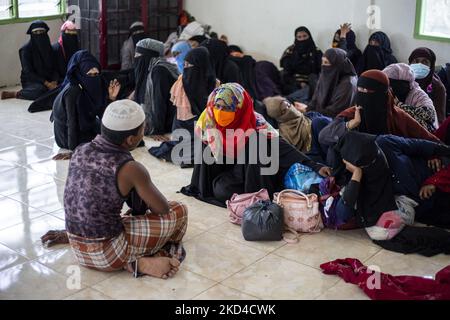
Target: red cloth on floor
x=391, y=287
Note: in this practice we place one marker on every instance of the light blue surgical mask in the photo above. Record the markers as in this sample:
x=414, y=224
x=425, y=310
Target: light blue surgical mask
x=421, y=71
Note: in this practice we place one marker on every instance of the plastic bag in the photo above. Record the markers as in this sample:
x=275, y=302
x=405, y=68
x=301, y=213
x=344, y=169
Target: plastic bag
x=301, y=178
x=263, y=221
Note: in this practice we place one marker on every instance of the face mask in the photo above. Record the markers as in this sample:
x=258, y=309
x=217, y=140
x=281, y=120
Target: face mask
x=223, y=118
x=327, y=69
x=421, y=71
x=401, y=89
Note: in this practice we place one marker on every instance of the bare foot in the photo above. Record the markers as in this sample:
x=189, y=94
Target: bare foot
x=158, y=267
x=63, y=156
x=160, y=138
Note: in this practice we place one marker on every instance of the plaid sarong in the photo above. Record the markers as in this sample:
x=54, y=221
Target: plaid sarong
x=146, y=235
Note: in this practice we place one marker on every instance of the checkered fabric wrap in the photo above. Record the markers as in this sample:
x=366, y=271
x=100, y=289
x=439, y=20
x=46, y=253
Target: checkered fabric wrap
x=147, y=235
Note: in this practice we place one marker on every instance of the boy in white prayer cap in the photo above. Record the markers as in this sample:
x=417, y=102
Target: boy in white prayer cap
x=103, y=176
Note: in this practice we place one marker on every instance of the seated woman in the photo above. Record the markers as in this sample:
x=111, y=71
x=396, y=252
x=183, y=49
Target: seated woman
x=66, y=46
x=423, y=63
x=299, y=129
x=231, y=160
x=371, y=191
x=362, y=168
x=136, y=34
x=374, y=113
x=377, y=55
x=268, y=80
x=146, y=241
x=154, y=77
x=336, y=87
x=345, y=39
x=189, y=94
x=412, y=162
x=179, y=52
x=39, y=71
x=80, y=104
x=225, y=69
x=410, y=97
x=246, y=66
x=301, y=63
x=444, y=75
x=63, y=50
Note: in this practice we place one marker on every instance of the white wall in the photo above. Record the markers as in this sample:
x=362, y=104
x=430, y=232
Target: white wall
x=264, y=28
x=13, y=36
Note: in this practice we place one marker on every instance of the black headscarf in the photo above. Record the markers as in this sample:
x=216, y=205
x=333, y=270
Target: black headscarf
x=376, y=192
x=70, y=44
x=141, y=65
x=374, y=113
x=199, y=80
x=42, y=52
x=305, y=46
x=198, y=39
x=218, y=54
x=246, y=65
x=331, y=75
x=137, y=33
x=93, y=98
x=377, y=57
x=268, y=80
x=430, y=55
x=235, y=48
x=302, y=54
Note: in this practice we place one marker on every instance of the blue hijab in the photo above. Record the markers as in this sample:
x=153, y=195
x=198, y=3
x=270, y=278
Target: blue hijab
x=180, y=50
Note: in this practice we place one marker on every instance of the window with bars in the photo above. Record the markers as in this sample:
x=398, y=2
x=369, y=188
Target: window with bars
x=26, y=10
x=433, y=20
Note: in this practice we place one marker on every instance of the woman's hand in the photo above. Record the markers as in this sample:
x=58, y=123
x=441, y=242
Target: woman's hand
x=345, y=28
x=427, y=192
x=356, y=171
x=113, y=89
x=300, y=107
x=356, y=121
x=325, y=172
x=435, y=165
x=51, y=85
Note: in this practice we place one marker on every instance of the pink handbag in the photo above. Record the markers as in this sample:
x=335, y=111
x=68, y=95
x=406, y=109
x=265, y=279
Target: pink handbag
x=301, y=211
x=239, y=202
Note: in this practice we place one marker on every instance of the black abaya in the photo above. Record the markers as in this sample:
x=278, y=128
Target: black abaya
x=216, y=183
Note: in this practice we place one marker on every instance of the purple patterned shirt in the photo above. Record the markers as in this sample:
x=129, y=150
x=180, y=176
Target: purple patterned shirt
x=92, y=200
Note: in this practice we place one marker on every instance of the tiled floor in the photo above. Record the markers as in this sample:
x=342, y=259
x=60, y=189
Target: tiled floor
x=219, y=264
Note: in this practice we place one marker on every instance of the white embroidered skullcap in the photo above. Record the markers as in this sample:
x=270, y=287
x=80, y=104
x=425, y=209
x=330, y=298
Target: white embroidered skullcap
x=123, y=115
x=137, y=24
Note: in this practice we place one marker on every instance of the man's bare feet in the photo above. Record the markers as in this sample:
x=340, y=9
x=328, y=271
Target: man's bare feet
x=160, y=138
x=158, y=267
x=9, y=95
